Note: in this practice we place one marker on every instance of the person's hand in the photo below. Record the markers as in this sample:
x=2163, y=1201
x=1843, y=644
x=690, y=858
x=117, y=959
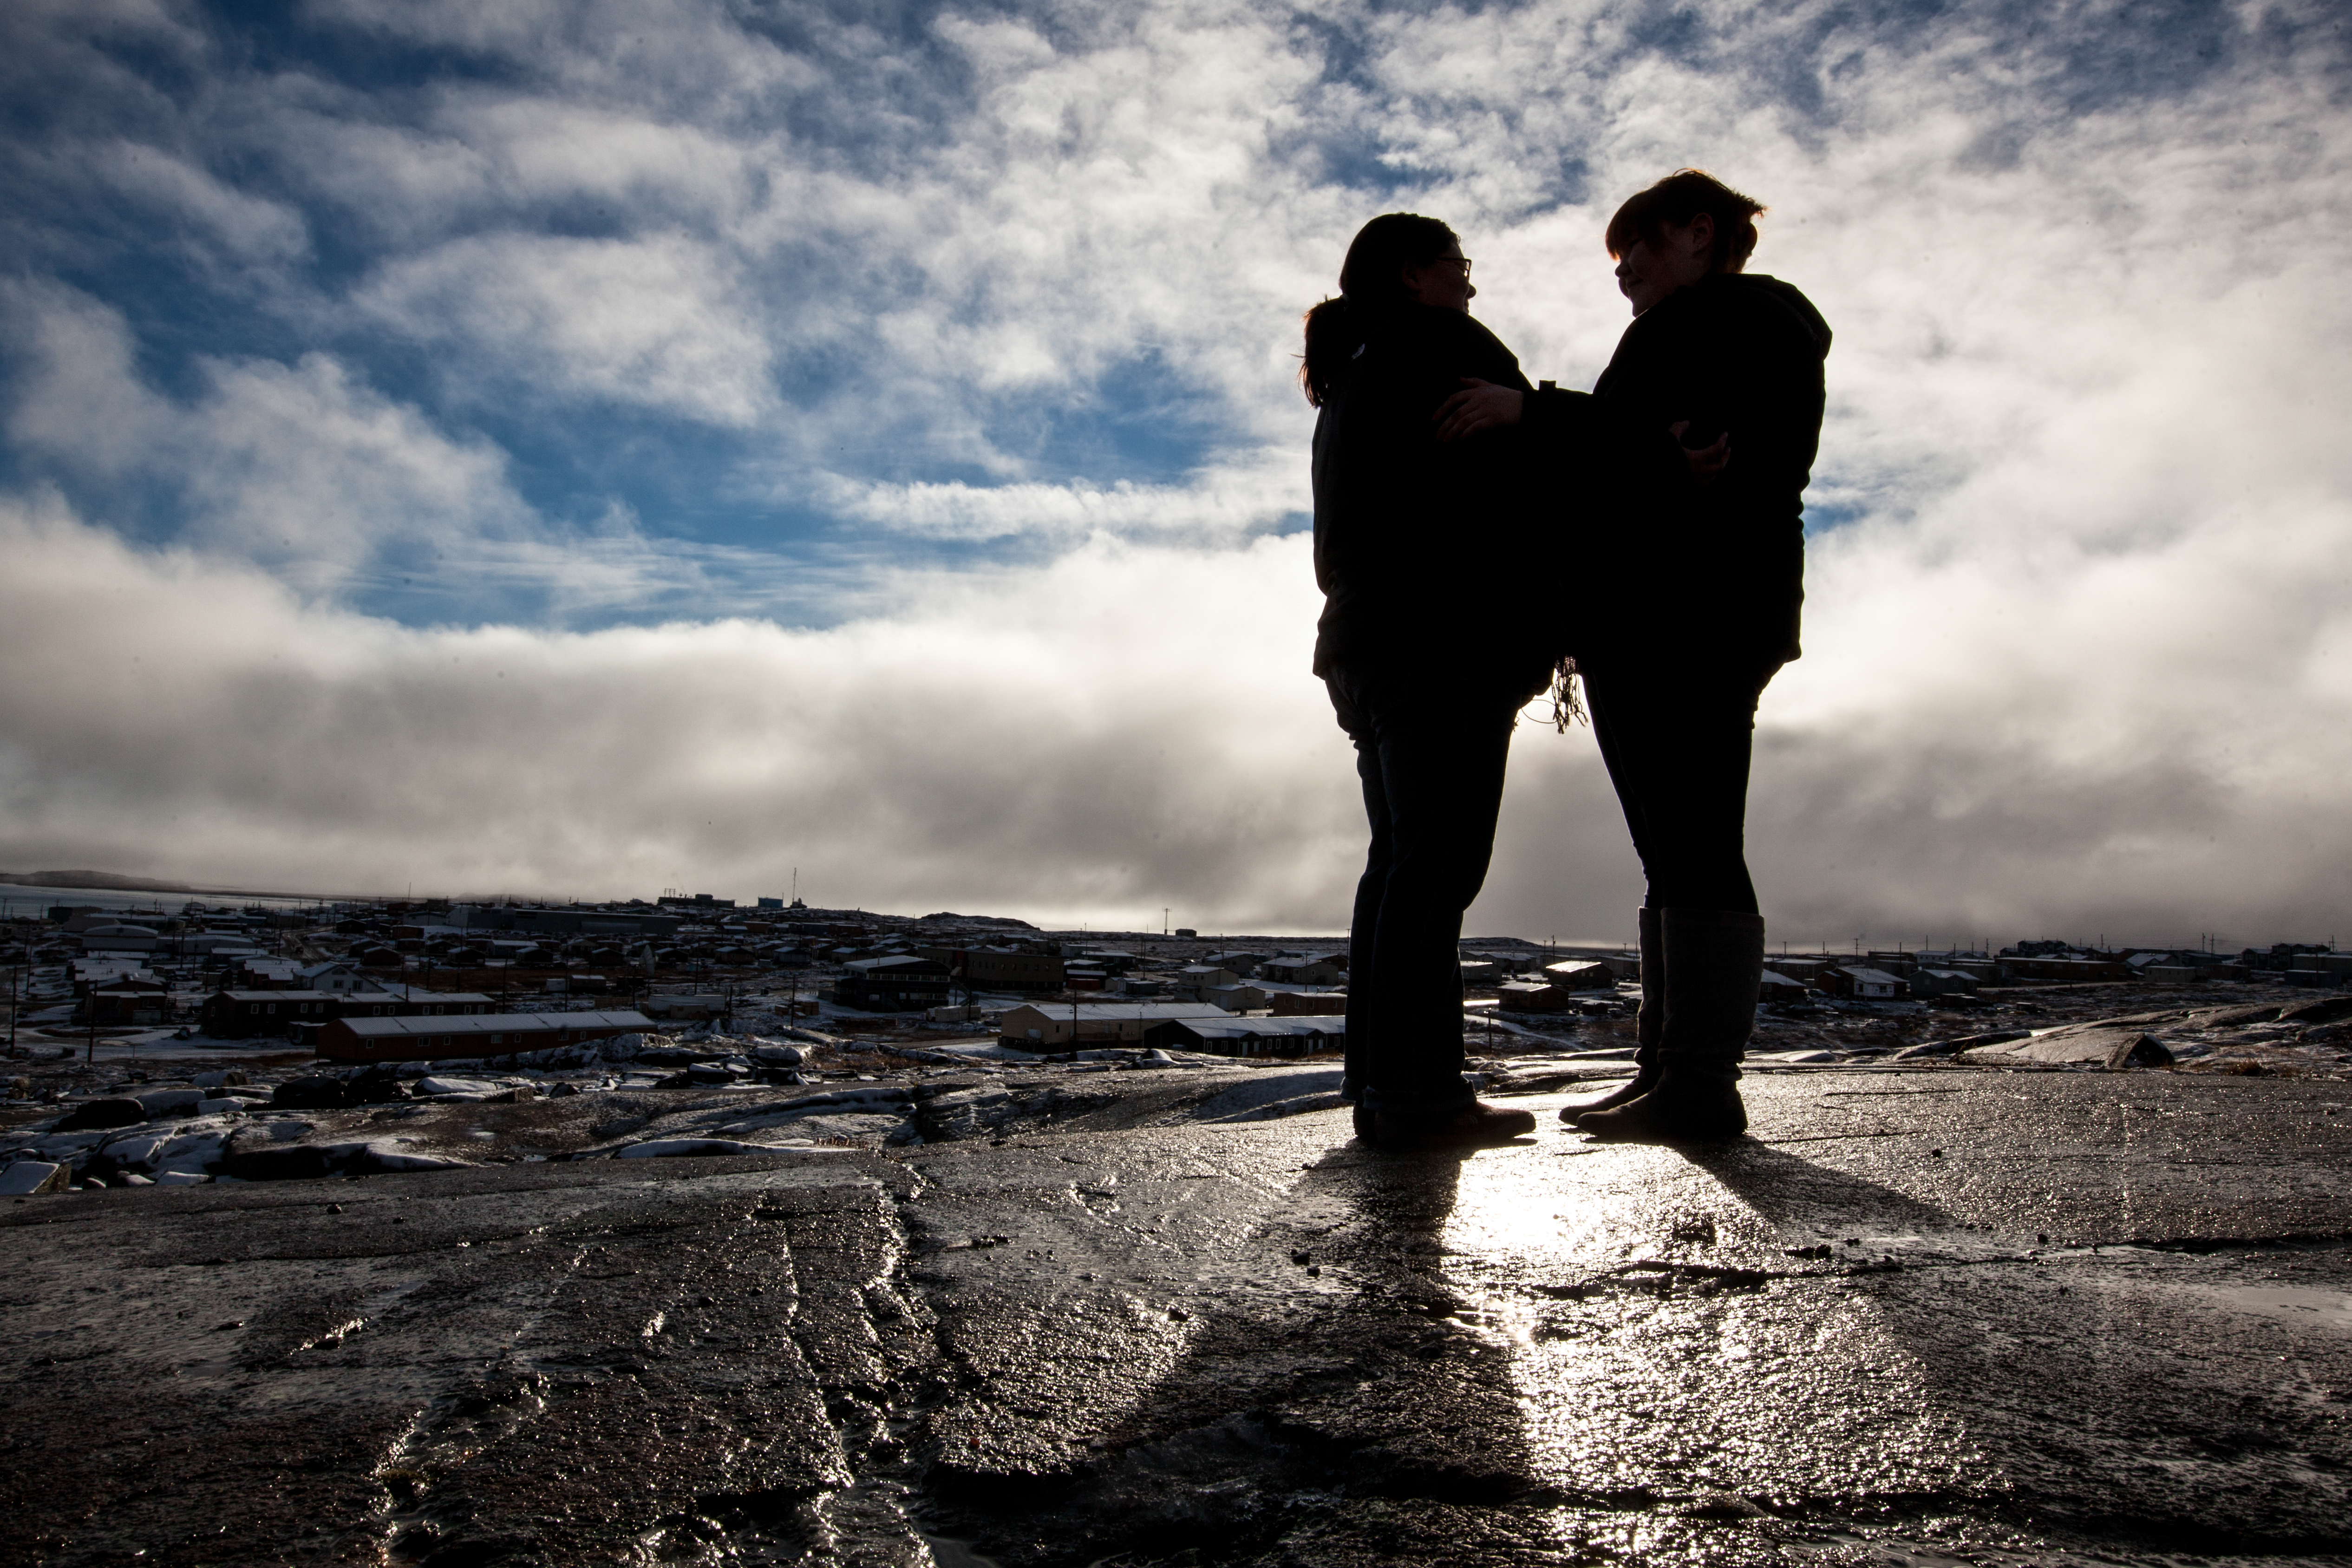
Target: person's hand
x=1705, y=463
x=1479, y=406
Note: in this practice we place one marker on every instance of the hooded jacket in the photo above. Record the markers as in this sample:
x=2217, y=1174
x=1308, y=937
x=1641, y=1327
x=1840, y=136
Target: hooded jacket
x=1418, y=541
x=1716, y=569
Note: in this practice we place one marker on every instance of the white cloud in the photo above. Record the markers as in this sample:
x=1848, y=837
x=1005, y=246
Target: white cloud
x=1219, y=507
x=295, y=466
x=1027, y=742
x=2076, y=655
x=214, y=215
x=1130, y=728
x=657, y=323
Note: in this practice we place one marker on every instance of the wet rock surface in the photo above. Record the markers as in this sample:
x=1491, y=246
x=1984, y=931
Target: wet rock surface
x=1180, y=1317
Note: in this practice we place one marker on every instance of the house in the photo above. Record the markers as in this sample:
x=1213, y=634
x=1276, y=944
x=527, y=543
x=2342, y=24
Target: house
x=1233, y=998
x=88, y=975
x=118, y=1005
x=1249, y=1036
x=1580, y=975
x=1243, y=965
x=1318, y=969
x=242, y=1014
x=901, y=983
x=1533, y=997
x=1069, y=1025
x=1778, y=987
x=1926, y=982
x=2066, y=969
x=413, y=1001
x=998, y=969
x=1864, y=982
x=1199, y=977
x=267, y=974
x=1480, y=971
x=332, y=977
x=424, y=1040
x=1309, y=1003
x=116, y=937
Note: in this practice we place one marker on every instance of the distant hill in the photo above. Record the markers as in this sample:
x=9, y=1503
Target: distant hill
x=105, y=879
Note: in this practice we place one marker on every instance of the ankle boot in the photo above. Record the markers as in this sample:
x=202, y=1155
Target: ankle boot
x=1715, y=968
x=1648, y=1026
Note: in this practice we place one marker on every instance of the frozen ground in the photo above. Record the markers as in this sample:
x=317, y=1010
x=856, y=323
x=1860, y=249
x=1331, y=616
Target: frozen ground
x=1101, y=1311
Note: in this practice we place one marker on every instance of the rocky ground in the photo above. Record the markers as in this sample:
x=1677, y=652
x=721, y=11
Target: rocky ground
x=928, y=1304
x=195, y=1111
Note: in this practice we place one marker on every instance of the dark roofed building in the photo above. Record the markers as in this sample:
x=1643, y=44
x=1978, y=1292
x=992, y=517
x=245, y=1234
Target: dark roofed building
x=243, y=1014
x=893, y=984
x=1249, y=1036
x=424, y=1040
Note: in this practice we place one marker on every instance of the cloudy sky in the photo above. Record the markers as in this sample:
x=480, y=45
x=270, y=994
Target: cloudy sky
x=590, y=448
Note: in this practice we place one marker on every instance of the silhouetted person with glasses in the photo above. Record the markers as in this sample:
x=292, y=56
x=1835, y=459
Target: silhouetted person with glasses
x=1426, y=671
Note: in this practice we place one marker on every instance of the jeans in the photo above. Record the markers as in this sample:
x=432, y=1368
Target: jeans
x=1431, y=753
x=1675, y=736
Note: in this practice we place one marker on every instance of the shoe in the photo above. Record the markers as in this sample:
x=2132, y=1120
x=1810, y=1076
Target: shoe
x=1645, y=1078
x=1714, y=968
x=1649, y=1025
x=1474, y=1125
x=1683, y=1108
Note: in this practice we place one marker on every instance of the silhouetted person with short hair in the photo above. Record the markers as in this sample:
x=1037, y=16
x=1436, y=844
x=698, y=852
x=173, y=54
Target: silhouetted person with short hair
x=1707, y=582
x=1425, y=674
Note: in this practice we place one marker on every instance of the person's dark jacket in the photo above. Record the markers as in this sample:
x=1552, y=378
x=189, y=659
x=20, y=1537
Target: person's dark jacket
x=1714, y=570
x=1419, y=544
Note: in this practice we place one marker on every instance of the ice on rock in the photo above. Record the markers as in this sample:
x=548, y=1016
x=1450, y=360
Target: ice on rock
x=661, y=1148
x=137, y=1148
x=438, y=1085
x=181, y=1178
x=167, y=1102
x=27, y=1177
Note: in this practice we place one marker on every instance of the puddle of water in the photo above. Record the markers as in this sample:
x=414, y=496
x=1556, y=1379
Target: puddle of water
x=1670, y=1380
x=949, y=1552
x=2299, y=1304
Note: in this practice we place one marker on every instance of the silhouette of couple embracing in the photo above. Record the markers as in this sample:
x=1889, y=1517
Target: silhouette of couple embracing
x=1477, y=538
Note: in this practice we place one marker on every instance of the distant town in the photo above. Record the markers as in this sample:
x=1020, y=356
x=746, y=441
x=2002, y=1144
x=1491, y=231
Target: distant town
x=481, y=979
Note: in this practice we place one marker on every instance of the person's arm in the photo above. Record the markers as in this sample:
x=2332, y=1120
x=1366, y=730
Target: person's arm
x=1479, y=406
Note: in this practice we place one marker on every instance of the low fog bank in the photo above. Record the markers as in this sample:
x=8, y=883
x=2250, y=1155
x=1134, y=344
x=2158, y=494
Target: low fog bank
x=2147, y=745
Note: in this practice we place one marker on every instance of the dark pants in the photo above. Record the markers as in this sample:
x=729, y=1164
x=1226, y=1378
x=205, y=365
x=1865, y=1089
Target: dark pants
x=1431, y=755
x=1675, y=737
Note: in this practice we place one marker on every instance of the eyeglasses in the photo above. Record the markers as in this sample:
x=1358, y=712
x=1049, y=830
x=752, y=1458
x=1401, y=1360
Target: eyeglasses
x=1462, y=261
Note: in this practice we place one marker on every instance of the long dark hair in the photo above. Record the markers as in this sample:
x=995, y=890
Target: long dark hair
x=1371, y=284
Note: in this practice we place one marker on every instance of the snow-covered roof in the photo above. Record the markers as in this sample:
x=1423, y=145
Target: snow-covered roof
x=475, y=1024
x=1231, y=1028
x=1098, y=1011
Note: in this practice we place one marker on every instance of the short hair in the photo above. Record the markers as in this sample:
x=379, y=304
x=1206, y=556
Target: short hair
x=1677, y=199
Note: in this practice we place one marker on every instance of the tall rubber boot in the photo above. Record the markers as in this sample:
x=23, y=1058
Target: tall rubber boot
x=1649, y=1027
x=1715, y=968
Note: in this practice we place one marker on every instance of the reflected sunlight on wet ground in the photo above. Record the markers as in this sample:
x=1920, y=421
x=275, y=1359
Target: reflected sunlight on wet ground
x=1664, y=1346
